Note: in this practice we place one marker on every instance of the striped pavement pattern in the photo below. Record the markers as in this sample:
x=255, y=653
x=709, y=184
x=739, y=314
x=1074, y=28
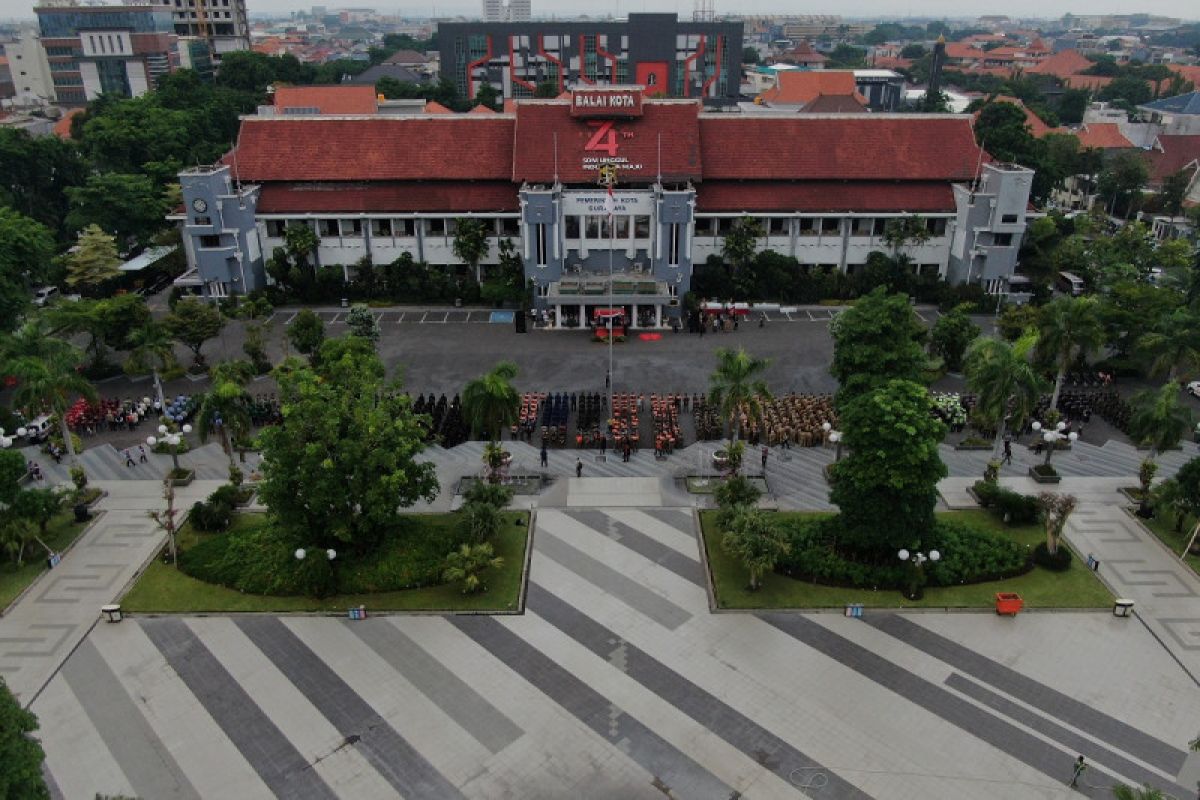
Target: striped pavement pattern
x=616, y=682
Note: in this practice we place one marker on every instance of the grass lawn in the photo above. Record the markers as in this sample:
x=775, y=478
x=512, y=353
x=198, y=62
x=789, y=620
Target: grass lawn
x=1078, y=587
x=162, y=588
x=61, y=533
x=1162, y=525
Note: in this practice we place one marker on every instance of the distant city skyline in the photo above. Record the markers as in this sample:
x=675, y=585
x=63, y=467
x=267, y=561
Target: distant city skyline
x=952, y=9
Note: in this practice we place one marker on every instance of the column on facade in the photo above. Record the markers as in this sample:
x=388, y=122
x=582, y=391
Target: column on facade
x=558, y=315
x=633, y=323
x=689, y=233
x=583, y=240
x=658, y=315
x=631, y=248
x=582, y=315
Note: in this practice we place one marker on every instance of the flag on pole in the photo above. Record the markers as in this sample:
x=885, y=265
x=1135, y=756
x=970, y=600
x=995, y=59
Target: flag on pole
x=610, y=202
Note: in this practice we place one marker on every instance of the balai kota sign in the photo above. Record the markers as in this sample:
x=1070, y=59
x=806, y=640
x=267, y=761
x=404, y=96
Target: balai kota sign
x=606, y=103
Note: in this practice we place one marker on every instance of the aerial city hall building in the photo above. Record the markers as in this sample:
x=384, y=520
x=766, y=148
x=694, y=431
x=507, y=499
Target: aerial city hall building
x=824, y=188
x=670, y=58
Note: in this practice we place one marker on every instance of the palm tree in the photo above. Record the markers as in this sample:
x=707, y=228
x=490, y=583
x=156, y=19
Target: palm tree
x=736, y=385
x=34, y=339
x=468, y=562
x=229, y=402
x=1158, y=419
x=1174, y=344
x=52, y=382
x=1145, y=792
x=1070, y=326
x=153, y=351
x=756, y=542
x=490, y=402
x=1006, y=382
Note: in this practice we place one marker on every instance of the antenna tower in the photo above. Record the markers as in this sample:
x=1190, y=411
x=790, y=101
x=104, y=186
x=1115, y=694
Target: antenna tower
x=703, y=11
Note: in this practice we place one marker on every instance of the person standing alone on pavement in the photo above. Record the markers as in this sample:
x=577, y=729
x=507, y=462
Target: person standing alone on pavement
x=1080, y=766
x=1007, y=448
x=578, y=468
x=764, y=458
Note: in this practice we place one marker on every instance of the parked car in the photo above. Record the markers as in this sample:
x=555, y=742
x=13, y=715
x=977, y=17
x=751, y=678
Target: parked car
x=38, y=430
x=1069, y=284
x=44, y=295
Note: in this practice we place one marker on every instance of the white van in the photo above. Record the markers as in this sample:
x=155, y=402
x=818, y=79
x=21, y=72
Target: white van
x=38, y=430
x=1070, y=284
x=44, y=295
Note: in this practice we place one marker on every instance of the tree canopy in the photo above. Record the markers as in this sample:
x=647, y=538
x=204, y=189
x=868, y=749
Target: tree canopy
x=342, y=464
x=876, y=340
x=26, y=248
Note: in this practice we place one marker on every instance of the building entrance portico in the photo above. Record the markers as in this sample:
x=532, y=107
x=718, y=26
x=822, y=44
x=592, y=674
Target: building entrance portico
x=646, y=301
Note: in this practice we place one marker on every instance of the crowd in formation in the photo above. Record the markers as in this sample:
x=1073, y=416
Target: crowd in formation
x=446, y=424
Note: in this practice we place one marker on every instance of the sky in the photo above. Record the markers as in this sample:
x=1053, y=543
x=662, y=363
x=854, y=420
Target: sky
x=955, y=9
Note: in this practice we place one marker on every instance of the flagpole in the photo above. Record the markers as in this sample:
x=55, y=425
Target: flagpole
x=612, y=240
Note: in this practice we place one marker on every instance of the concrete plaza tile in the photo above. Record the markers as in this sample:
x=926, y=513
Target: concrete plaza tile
x=689, y=737
x=452, y=751
x=1112, y=664
x=656, y=578
x=342, y=768
x=682, y=541
x=571, y=754
x=178, y=720
x=76, y=754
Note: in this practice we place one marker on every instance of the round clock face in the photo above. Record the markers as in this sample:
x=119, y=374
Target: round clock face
x=199, y=205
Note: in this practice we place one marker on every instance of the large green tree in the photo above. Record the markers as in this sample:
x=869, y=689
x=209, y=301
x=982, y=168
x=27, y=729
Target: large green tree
x=741, y=243
x=94, y=261
x=26, y=248
x=877, y=340
x=131, y=207
x=21, y=754
x=1173, y=344
x=151, y=351
x=225, y=408
x=306, y=332
x=471, y=243
x=736, y=387
x=1069, y=327
x=51, y=383
x=343, y=463
x=35, y=173
x=886, y=487
x=1005, y=381
x=193, y=322
x=490, y=403
x=108, y=323
x=951, y=335
x=1121, y=181
x=1158, y=419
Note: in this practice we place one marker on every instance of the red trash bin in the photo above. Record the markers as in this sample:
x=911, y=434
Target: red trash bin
x=1009, y=603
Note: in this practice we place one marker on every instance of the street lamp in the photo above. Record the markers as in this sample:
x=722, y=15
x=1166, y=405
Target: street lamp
x=916, y=587
x=835, y=437
x=1053, y=437
x=171, y=439
x=302, y=554
x=8, y=441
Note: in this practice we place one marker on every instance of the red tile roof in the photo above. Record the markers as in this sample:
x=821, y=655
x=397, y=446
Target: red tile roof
x=863, y=147
x=1105, y=135
x=388, y=196
x=1063, y=64
x=328, y=99
x=1172, y=153
x=62, y=128
x=406, y=57
x=376, y=148
x=963, y=51
x=820, y=196
x=635, y=141
x=836, y=104
x=798, y=87
x=482, y=109
x=1190, y=73
x=1093, y=82
x=434, y=107
x=1036, y=126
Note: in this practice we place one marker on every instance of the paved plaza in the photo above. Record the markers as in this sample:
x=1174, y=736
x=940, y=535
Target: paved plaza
x=617, y=681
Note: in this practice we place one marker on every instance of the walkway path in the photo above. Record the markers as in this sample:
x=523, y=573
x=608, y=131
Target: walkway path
x=54, y=616
x=616, y=682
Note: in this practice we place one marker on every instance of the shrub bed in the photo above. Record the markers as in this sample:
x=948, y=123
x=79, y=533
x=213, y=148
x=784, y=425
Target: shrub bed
x=256, y=559
x=1012, y=507
x=1058, y=562
x=970, y=556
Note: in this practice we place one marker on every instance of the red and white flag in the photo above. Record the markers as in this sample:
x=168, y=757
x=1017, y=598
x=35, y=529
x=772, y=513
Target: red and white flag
x=610, y=202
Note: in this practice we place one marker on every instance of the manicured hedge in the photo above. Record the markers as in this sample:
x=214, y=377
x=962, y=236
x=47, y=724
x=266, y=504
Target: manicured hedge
x=969, y=556
x=1020, y=509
